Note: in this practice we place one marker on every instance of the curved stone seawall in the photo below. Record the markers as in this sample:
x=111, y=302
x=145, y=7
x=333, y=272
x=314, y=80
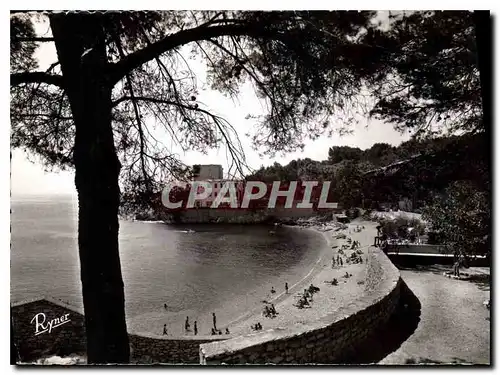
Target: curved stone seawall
x=332, y=339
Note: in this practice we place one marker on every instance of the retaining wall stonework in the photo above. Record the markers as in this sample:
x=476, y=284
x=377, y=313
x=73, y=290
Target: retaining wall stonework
x=332, y=339
x=167, y=350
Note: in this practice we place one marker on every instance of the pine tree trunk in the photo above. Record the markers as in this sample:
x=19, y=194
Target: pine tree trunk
x=79, y=40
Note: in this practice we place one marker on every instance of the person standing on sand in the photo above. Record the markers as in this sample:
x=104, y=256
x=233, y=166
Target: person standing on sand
x=195, y=328
x=286, y=288
x=165, y=329
x=214, y=318
x=187, y=325
x=165, y=306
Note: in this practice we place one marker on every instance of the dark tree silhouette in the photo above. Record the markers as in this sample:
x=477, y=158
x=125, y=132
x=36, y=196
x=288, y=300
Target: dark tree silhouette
x=434, y=79
x=348, y=185
x=337, y=154
x=461, y=217
x=428, y=77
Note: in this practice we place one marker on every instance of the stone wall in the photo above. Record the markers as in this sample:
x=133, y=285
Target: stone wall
x=147, y=348
x=332, y=339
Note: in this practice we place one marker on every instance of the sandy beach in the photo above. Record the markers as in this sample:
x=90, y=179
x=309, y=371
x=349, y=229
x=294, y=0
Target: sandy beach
x=330, y=297
x=324, y=302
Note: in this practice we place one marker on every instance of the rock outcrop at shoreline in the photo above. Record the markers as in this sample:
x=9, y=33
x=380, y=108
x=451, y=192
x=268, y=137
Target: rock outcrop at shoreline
x=250, y=218
x=207, y=216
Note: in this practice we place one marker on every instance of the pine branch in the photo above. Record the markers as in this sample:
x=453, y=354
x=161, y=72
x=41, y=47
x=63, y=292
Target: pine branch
x=121, y=68
x=36, y=77
x=32, y=39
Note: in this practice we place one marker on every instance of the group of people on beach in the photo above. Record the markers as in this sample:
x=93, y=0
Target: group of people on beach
x=307, y=297
x=256, y=327
x=269, y=311
x=355, y=257
x=273, y=291
x=333, y=282
x=213, y=332
x=219, y=332
x=355, y=244
x=357, y=229
x=187, y=326
x=337, y=260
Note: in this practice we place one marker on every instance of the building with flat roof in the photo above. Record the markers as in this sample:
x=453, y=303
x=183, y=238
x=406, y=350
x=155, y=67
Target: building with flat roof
x=208, y=172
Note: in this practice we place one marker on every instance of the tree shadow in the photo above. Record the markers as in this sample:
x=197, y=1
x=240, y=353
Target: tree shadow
x=437, y=269
x=388, y=338
x=483, y=282
x=417, y=263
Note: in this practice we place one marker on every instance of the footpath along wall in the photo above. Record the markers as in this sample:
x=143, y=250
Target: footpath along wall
x=332, y=339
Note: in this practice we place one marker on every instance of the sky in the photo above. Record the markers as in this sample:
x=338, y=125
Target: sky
x=29, y=178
